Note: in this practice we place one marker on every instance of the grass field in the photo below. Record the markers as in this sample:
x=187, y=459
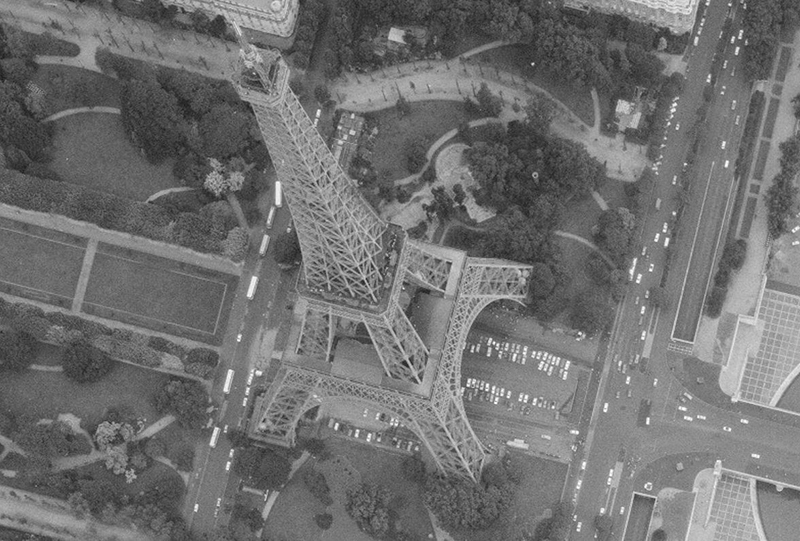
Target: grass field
x=517, y=59
x=293, y=514
x=39, y=263
x=430, y=119
x=92, y=150
x=158, y=293
x=67, y=87
x=43, y=395
x=541, y=486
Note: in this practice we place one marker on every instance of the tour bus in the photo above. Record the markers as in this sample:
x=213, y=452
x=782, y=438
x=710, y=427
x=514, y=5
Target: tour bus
x=262, y=250
x=632, y=269
x=271, y=216
x=278, y=194
x=251, y=290
x=228, y=382
x=214, y=437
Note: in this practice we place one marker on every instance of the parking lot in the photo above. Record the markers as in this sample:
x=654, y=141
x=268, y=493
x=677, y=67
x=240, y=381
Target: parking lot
x=519, y=392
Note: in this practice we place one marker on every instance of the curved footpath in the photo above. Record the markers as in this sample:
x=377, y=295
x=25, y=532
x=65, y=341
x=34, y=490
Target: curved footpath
x=78, y=110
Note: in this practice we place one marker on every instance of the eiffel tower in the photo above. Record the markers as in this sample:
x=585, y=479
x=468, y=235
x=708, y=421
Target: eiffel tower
x=381, y=319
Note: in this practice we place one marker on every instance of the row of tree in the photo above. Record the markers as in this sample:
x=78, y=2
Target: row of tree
x=782, y=194
x=764, y=22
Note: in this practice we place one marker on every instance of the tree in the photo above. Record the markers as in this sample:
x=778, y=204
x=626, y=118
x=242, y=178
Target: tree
x=318, y=486
x=322, y=94
x=461, y=504
x=17, y=349
x=489, y=104
x=368, y=505
x=659, y=297
x=263, y=468
x=541, y=111
x=221, y=180
x=591, y=312
x=542, y=281
x=796, y=103
x=659, y=535
x=614, y=234
x=323, y=520
x=225, y=131
x=110, y=434
x=187, y=400
x=286, y=250
x=85, y=363
x=416, y=149
x=153, y=117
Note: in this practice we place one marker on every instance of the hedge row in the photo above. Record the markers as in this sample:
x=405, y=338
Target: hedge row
x=733, y=256
x=149, y=351
x=191, y=230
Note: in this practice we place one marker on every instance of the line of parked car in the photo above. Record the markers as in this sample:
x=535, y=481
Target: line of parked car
x=521, y=354
x=476, y=389
x=404, y=444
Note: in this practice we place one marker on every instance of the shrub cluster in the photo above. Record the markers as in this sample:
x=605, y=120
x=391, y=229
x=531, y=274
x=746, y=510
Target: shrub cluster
x=318, y=486
x=66, y=329
x=312, y=13
x=733, y=257
x=194, y=231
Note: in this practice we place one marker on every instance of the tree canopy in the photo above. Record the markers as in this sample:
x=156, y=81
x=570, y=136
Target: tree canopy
x=368, y=505
x=85, y=363
x=265, y=469
x=152, y=115
x=591, y=312
x=187, y=400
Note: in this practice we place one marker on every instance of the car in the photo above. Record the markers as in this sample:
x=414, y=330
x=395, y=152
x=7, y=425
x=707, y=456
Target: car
x=647, y=294
x=638, y=278
x=755, y=455
x=682, y=408
x=727, y=429
x=701, y=417
x=247, y=391
x=578, y=527
x=795, y=242
x=642, y=311
x=290, y=227
x=665, y=227
x=630, y=393
x=219, y=502
x=622, y=510
x=687, y=418
x=687, y=395
x=655, y=382
x=244, y=402
x=722, y=93
x=666, y=242
x=725, y=65
x=628, y=380
x=658, y=236
x=239, y=337
x=651, y=267
x=583, y=465
x=727, y=163
x=736, y=52
x=225, y=429
x=616, y=395
x=708, y=79
x=744, y=421
x=336, y=426
x=733, y=38
x=674, y=182
x=230, y=454
x=644, y=335
x=608, y=481
x=733, y=105
x=526, y=398
x=741, y=33
x=677, y=126
x=605, y=407
x=722, y=146
x=356, y=433
x=196, y=507
x=370, y=435
x=648, y=486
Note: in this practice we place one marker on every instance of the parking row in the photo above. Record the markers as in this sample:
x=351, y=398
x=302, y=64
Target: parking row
x=483, y=391
x=375, y=437
x=546, y=362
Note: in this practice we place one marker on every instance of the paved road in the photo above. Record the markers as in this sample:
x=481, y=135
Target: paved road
x=615, y=436
x=212, y=482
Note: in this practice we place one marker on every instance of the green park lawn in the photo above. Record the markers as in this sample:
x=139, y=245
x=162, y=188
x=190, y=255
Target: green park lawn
x=292, y=517
x=92, y=149
x=428, y=119
x=68, y=87
x=517, y=59
x=44, y=395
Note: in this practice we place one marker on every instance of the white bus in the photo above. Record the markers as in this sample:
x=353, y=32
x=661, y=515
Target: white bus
x=271, y=216
x=278, y=194
x=262, y=250
x=214, y=437
x=251, y=290
x=228, y=382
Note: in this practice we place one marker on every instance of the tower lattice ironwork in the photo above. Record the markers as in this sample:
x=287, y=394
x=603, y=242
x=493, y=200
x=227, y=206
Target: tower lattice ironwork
x=381, y=319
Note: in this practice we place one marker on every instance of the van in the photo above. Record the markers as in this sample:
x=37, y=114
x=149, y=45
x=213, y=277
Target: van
x=666, y=242
x=695, y=41
x=658, y=204
x=736, y=52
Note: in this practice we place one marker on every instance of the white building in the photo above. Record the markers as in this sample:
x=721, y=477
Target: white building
x=676, y=15
x=276, y=17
